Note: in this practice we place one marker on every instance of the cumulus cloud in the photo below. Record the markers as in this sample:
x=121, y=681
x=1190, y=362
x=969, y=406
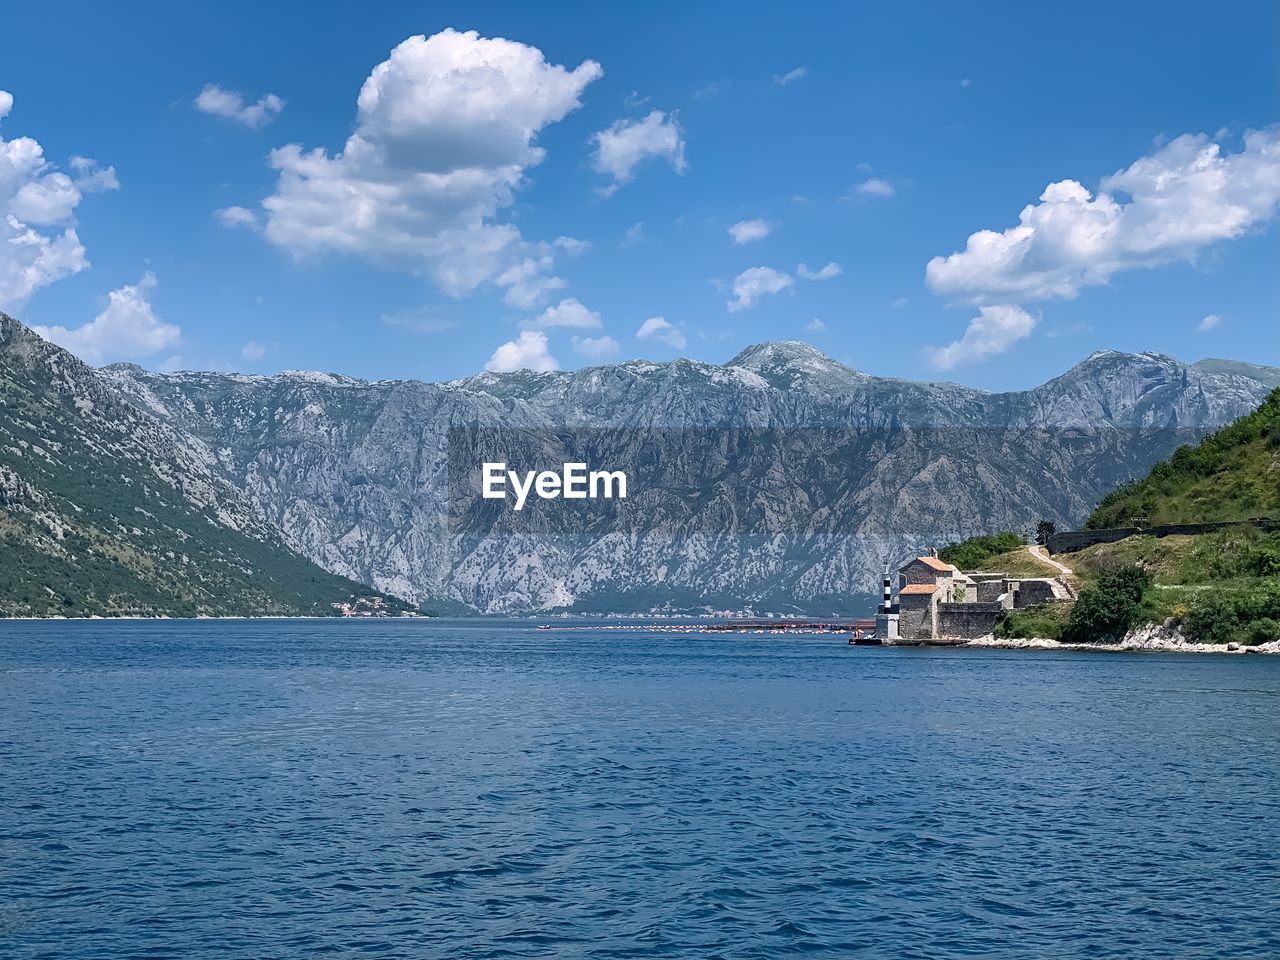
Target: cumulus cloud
x=875, y=187
x=1165, y=207
x=829, y=272
x=445, y=132
x=993, y=331
x=230, y=105
x=567, y=313
x=756, y=282
x=816, y=326
x=791, y=76
x=526, y=282
x=38, y=240
x=529, y=352
x=253, y=351
x=622, y=147
x=236, y=217
x=127, y=329
x=659, y=329
x=1208, y=323
x=597, y=348
x=745, y=231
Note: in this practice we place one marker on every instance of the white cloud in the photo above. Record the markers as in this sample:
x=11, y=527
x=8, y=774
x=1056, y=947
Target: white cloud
x=829, y=272
x=419, y=320
x=1068, y=330
x=567, y=313
x=445, y=132
x=899, y=302
x=745, y=231
x=1208, y=323
x=791, y=76
x=38, y=240
x=658, y=328
x=529, y=352
x=236, y=217
x=253, y=351
x=627, y=143
x=634, y=236
x=816, y=326
x=572, y=246
x=875, y=187
x=756, y=282
x=232, y=106
x=966, y=82
x=994, y=330
x=1165, y=207
x=127, y=329
x=526, y=282
x=597, y=348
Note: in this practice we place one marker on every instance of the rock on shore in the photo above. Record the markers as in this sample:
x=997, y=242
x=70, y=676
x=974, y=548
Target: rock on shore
x=1161, y=637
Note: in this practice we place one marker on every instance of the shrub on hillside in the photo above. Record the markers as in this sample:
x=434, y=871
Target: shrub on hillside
x=1236, y=613
x=971, y=554
x=1105, y=612
x=1043, y=622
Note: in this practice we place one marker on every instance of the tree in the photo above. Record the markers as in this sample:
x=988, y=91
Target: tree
x=1105, y=612
x=1044, y=530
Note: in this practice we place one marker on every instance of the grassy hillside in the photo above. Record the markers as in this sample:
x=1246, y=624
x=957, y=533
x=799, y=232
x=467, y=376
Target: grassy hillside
x=1220, y=587
x=1233, y=474
x=104, y=511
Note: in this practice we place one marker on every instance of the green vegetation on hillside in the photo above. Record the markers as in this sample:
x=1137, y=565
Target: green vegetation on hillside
x=1105, y=612
x=1044, y=622
x=1233, y=474
x=975, y=552
x=1220, y=587
x=106, y=512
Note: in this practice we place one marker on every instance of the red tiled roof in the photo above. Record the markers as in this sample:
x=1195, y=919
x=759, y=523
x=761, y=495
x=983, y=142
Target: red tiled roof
x=935, y=563
x=911, y=588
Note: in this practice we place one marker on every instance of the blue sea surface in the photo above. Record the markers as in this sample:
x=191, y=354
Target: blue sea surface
x=486, y=789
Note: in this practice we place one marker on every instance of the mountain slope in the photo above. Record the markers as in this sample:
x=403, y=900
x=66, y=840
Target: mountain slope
x=104, y=510
x=1234, y=474
x=781, y=477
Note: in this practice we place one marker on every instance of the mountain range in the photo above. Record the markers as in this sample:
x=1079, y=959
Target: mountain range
x=107, y=510
x=779, y=480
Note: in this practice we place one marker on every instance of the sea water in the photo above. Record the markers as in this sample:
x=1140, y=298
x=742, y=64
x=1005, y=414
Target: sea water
x=486, y=789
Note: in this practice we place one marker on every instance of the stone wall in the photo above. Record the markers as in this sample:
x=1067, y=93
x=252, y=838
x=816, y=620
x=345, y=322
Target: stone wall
x=989, y=590
x=967, y=620
x=913, y=617
x=1035, y=591
x=1072, y=540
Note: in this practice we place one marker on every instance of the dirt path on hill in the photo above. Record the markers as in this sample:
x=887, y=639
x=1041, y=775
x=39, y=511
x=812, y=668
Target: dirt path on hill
x=1043, y=556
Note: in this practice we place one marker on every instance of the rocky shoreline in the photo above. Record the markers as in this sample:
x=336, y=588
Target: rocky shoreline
x=1151, y=637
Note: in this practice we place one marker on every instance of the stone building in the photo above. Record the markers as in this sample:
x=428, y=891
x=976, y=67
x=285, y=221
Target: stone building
x=937, y=601
x=924, y=584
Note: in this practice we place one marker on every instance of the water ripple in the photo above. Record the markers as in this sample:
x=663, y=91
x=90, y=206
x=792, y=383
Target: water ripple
x=479, y=789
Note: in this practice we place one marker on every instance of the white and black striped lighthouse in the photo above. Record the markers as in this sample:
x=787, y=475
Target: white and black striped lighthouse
x=886, y=619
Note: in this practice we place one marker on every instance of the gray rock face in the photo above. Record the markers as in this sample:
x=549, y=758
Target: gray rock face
x=106, y=509
x=842, y=470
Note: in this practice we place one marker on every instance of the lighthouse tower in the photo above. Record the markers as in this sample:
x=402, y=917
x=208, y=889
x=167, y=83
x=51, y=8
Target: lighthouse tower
x=886, y=617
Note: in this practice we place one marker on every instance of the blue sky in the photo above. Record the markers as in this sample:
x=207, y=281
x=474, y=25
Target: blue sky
x=544, y=200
